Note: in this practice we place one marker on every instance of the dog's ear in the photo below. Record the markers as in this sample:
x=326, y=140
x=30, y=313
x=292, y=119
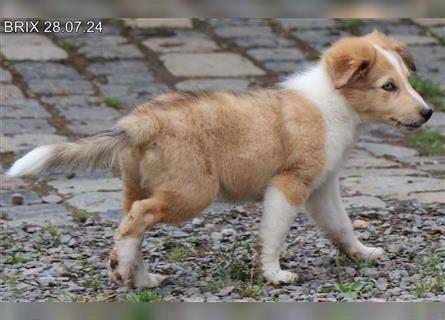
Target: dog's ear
x=398, y=46
x=349, y=60
x=347, y=68
x=402, y=49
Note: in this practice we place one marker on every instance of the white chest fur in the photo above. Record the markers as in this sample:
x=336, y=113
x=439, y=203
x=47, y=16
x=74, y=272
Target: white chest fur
x=341, y=121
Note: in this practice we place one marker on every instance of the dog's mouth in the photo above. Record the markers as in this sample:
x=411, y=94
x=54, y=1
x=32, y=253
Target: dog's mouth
x=410, y=126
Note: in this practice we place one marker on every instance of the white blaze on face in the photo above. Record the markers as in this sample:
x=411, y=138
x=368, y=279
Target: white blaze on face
x=399, y=66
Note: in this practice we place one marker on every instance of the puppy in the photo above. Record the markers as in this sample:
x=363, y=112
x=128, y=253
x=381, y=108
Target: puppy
x=180, y=151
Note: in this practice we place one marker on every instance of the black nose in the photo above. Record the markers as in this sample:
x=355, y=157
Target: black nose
x=426, y=113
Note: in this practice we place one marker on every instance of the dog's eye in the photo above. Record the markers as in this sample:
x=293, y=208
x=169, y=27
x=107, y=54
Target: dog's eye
x=389, y=87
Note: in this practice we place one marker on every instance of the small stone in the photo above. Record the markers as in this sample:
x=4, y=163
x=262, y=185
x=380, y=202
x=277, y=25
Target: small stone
x=211, y=297
x=216, y=236
x=225, y=291
x=17, y=199
x=90, y=221
x=74, y=287
x=227, y=232
x=284, y=298
x=197, y=221
x=360, y=224
x=351, y=271
x=369, y=272
x=181, y=44
x=180, y=234
x=52, y=198
x=194, y=299
x=70, y=175
x=46, y=281
x=71, y=243
x=377, y=300
x=65, y=238
x=58, y=270
x=31, y=272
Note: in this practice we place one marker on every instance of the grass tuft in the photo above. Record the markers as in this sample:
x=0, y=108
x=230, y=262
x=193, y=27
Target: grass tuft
x=353, y=290
x=432, y=279
x=145, y=295
x=94, y=282
x=180, y=254
x=83, y=216
x=54, y=233
x=17, y=259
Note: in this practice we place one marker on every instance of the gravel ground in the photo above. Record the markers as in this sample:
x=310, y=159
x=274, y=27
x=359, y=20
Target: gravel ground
x=214, y=258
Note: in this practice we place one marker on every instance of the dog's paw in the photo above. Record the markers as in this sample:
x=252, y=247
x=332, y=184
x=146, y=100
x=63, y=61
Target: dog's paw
x=133, y=275
x=370, y=253
x=145, y=279
x=282, y=276
x=119, y=271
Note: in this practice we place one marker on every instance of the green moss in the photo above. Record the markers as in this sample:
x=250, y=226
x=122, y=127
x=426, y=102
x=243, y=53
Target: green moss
x=432, y=141
x=68, y=46
x=42, y=187
x=113, y=102
x=349, y=23
x=440, y=37
x=4, y=215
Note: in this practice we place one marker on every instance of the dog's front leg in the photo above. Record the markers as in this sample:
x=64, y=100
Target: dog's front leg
x=326, y=208
x=278, y=215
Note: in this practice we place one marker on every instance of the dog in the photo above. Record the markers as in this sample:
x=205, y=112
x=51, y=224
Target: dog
x=179, y=152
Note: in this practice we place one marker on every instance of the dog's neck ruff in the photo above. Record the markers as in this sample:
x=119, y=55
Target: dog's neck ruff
x=342, y=122
x=316, y=85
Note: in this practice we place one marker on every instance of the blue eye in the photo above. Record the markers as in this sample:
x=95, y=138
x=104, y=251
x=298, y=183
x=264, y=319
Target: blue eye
x=389, y=87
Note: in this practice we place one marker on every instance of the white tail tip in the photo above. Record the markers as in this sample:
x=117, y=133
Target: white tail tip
x=31, y=163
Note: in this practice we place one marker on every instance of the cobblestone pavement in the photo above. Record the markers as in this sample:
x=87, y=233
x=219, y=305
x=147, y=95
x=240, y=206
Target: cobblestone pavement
x=57, y=228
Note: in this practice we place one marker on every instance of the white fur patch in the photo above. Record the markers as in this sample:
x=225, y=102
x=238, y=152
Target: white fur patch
x=341, y=121
x=396, y=63
x=278, y=216
x=32, y=163
x=127, y=251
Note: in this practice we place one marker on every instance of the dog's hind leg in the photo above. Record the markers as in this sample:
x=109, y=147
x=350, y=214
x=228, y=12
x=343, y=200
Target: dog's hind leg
x=326, y=207
x=126, y=263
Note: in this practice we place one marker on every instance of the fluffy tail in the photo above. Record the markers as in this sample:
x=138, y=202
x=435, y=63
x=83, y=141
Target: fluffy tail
x=97, y=151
